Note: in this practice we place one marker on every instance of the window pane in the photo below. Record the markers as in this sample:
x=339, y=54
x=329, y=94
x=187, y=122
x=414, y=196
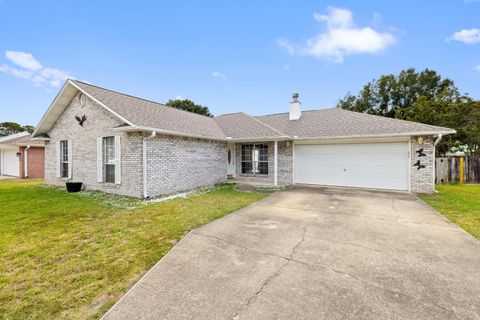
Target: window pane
x=247, y=152
x=110, y=173
x=64, y=158
x=263, y=150
x=109, y=159
x=263, y=167
x=247, y=167
x=64, y=151
x=64, y=170
x=109, y=150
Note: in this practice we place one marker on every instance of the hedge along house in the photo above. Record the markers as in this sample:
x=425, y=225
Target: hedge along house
x=22, y=157
x=127, y=145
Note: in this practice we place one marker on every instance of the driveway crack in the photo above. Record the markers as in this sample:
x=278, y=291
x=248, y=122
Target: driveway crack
x=253, y=297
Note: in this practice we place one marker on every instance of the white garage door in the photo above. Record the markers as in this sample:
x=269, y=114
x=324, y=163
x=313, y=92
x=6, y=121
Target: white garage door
x=10, y=163
x=370, y=165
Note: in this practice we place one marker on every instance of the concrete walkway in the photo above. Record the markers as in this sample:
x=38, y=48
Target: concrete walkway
x=316, y=254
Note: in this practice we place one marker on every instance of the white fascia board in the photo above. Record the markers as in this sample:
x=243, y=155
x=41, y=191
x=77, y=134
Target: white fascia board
x=283, y=138
x=374, y=136
x=166, y=132
x=50, y=109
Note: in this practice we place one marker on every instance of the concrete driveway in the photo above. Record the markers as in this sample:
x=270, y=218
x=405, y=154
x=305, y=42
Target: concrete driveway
x=316, y=254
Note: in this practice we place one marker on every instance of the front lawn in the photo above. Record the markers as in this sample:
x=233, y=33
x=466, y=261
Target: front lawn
x=460, y=204
x=73, y=255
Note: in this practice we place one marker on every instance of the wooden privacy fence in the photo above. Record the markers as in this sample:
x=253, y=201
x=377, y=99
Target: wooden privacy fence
x=457, y=170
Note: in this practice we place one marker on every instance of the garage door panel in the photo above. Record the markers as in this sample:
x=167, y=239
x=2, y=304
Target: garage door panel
x=378, y=165
x=10, y=163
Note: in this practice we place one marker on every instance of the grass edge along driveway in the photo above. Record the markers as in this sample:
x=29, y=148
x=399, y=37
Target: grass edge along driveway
x=73, y=255
x=460, y=204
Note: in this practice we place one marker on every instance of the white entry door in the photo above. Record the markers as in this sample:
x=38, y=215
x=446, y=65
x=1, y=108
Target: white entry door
x=231, y=160
x=369, y=165
x=10, y=162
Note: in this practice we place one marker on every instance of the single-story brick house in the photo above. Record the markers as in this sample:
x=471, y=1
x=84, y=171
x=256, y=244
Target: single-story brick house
x=127, y=145
x=22, y=157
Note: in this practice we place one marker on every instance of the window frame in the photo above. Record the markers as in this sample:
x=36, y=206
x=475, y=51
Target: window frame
x=254, y=159
x=64, y=159
x=108, y=159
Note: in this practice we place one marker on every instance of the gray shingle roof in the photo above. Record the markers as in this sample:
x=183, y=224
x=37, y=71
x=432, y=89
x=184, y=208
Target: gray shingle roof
x=324, y=123
x=342, y=123
x=243, y=126
x=151, y=114
x=22, y=139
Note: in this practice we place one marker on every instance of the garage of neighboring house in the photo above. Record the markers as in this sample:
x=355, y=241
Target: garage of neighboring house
x=10, y=162
x=371, y=165
x=22, y=157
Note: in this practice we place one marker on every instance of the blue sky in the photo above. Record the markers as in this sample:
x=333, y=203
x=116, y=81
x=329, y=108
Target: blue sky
x=229, y=55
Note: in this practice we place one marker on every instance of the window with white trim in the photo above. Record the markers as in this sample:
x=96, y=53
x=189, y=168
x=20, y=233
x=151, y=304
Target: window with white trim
x=64, y=163
x=109, y=159
x=255, y=159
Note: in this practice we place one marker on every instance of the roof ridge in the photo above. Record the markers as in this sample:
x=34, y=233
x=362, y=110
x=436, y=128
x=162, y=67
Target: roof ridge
x=267, y=125
x=139, y=98
x=280, y=113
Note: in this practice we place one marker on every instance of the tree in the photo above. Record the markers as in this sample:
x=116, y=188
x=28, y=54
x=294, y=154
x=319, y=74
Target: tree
x=462, y=114
x=8, y=128
x=189, y=105
x=390, y=93
x=423, y=97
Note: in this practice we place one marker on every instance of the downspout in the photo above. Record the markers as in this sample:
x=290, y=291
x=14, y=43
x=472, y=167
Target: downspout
x=437, y=141
x=25, y=161
x=145, y=162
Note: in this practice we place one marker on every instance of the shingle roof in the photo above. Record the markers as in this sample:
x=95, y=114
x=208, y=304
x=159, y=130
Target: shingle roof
x=21, y=139
x=141, y=114
x=145, y=113
x=243, y=126
x=342, y=123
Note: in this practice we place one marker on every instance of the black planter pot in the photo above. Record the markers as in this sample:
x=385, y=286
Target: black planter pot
x=74, y=186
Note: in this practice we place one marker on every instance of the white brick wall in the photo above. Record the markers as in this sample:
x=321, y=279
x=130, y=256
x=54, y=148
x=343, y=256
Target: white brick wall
x=177, y=164
x=99, y=123
x=422, y=180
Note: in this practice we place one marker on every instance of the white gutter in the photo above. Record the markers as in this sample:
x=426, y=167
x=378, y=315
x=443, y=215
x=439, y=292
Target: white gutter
x=145, y=162
x=25, y=161
x=437, y=141
x=275, y=163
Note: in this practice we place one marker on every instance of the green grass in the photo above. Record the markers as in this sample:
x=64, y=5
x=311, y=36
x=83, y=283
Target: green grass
x=460, y=204
x=73, y=255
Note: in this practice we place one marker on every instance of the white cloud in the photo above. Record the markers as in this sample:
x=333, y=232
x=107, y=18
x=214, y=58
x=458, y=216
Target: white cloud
x=468, y=36
x=23, y=59
x=218, y=75
x=179, y=97
x=287, y=67
x=341, y=38
x=28, y=68
x=477, y=68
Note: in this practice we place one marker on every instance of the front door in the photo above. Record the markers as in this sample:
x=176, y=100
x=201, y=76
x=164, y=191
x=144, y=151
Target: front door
x=231, y=160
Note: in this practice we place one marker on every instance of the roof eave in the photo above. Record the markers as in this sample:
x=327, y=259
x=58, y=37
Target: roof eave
x=166, y=132
x=386, y=135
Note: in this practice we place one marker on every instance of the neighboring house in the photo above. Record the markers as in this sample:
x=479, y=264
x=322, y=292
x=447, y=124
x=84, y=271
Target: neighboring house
x=22, y=157
x=122, y=144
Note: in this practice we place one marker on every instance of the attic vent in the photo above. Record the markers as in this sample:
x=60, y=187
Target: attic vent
x=83, y=99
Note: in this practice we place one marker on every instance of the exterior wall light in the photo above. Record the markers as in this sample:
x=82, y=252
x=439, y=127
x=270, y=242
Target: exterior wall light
x=420, y=140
